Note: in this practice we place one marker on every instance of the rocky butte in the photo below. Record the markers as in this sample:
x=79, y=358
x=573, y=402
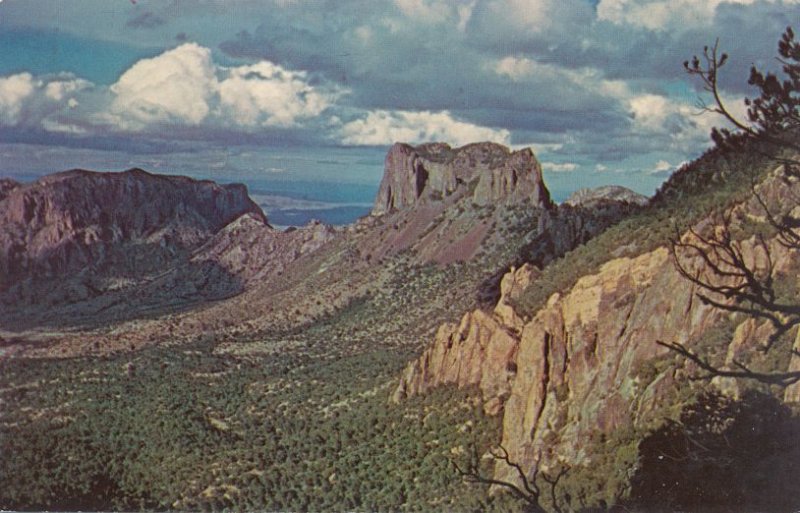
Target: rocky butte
x=487, y=172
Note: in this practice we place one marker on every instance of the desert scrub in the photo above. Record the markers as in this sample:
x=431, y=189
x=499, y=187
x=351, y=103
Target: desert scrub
x=198, y=430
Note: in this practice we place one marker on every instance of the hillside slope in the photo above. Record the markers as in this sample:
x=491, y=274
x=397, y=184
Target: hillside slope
x=576, y=372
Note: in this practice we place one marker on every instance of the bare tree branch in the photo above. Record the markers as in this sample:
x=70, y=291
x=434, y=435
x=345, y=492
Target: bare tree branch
x=782, y=379
x=530, y=492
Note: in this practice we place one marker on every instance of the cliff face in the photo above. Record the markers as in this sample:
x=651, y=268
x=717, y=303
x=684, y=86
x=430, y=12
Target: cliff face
x=587, y=365
x=593, y=197
x=485, y=172
x=127, y=223
x=480, y=350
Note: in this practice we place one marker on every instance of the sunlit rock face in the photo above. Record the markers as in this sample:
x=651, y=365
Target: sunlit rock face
x=488, y=173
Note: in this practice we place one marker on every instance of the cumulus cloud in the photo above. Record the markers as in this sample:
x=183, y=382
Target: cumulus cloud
x=14, y=91
x=380, y=128
x=184, y=86
x=267, y=94
x=60, y=88
x=175, y=86
x=28, y=100
x=559, y=167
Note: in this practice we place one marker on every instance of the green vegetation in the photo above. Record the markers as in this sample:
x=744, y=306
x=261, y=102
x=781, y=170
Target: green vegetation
x=191, y=429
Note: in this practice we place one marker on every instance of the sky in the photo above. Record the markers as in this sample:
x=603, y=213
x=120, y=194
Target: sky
x=318, y=90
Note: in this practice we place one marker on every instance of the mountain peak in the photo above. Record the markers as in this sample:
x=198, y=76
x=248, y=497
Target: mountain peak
x=589, y=197
x=487, y=172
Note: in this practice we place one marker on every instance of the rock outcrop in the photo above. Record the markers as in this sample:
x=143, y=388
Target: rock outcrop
x=486, y=172
x=480, y=350
x=616, y=193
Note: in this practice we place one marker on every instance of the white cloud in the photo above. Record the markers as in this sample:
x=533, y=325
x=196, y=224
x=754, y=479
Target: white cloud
x=650, y=111
x=660, y=114
x=63, y=128
x=465, y=14
x=664, y=168
x=364, y=34
x=562, y=167
x=58, y=89
x=381, y=128
x=185, y=86
x=175, y=86
x=29, y=100
x=591, y=79
x=438, y=11
x=14, y=91
x=533, y=15
x=515, y=68
x=537, y=147
x=665, y=14
x=268, y=95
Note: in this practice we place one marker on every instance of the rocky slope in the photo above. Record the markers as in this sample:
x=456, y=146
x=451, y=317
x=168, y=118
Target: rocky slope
x=586, y=366
x=6, y=186
x=123, y=225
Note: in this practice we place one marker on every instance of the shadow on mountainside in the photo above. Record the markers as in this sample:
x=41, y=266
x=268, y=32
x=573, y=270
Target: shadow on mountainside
x=722, y=455
x=184, y=287
x=559, y=231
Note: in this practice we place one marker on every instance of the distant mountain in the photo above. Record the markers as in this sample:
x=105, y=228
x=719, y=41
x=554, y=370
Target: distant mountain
x=590, y=197
x=97, y=248
x=106, y=227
